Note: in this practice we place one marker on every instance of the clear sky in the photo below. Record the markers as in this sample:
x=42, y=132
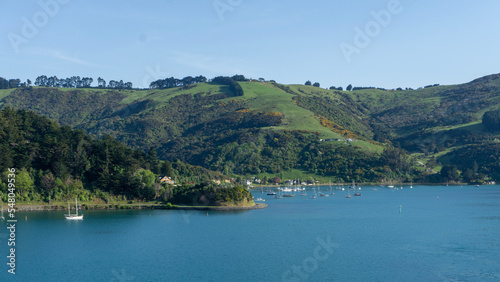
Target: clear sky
x=382, y=43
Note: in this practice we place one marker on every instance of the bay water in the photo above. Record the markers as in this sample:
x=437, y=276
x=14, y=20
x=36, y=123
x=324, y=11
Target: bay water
x=428, y=233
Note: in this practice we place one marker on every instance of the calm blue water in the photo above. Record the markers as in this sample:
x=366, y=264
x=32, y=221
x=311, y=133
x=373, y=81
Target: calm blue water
x=441, y=234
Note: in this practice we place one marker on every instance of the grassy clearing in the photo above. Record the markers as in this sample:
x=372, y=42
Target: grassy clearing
x=473, y=127
x=5, y=92
x=265, y=97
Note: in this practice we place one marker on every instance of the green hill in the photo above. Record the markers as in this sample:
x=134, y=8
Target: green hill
x=56, y=163
x=275, y=129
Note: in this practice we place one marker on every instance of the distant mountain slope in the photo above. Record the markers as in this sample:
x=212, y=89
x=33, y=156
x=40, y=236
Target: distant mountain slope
x=128, y=115
x=403, y=112
x=272, y=127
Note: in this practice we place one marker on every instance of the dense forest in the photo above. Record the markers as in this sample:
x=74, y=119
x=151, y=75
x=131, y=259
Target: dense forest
x=476, y=162
x=212, y=195
x=55, y=163
x=491, y=120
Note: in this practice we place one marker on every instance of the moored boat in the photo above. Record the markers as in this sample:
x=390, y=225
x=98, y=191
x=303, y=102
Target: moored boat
x=75, y=216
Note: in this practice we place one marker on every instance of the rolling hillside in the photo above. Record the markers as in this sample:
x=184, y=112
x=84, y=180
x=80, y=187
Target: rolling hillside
x=275, y=128
x=403, y=112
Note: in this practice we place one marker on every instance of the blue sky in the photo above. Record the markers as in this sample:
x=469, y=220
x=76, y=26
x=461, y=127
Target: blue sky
x=386, y=43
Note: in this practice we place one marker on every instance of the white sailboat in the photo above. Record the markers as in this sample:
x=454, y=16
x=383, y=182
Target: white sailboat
x=279, y=194
x=321, y=194
x=348, y=195
x=354, y=186
x=315, y=194
x=74, y=216
x=304, y=191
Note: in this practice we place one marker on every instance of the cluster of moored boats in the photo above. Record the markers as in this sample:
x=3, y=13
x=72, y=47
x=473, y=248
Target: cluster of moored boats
x=288, y=192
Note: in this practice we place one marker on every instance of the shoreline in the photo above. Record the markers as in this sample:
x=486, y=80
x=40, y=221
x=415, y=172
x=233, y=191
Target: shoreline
x=257, y=187
x=38, y=207
x=257, y=206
